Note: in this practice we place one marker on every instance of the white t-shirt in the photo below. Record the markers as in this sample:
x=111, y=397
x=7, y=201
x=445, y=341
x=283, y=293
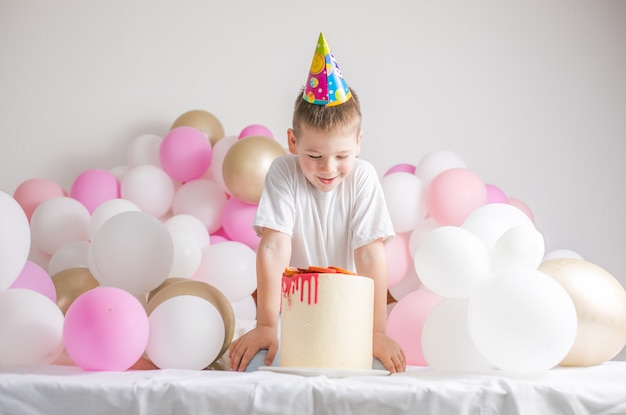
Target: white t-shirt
x=325, y=227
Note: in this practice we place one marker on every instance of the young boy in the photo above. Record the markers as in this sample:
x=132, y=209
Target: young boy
x=321, y=205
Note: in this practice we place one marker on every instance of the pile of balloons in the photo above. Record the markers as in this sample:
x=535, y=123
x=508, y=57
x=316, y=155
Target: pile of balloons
x=149, y=261
x=475, y=290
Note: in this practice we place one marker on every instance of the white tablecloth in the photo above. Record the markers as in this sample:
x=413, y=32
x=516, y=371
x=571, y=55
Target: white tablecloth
x=68, y=390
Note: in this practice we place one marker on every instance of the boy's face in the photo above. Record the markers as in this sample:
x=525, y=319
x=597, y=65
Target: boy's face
x=326, y=158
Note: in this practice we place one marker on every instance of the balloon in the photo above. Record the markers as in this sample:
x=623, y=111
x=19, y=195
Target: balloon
x=203, y=199
x=33, y=277
x=219, y=153
x=245, y=309
x=70, y=255
x=454, y=194
x=398, y=259
x=144, y=149
x=58, y=221
x=600, y=302
x=435, y=163
x=511, y=215
x=404, y=193
x=192, y=225
x=133, y=251
x=423, y=227
x=15, y=240
x=95, y=186
x=522, y=321
x=409, y=283
x=186, y=332
x=185, y=153
x=30, y=193
x=203, y=121
x=106, y=211
x=31, y=328
x=562, y=253
x=120, y=172
x=406, y=321
x=231, y=268
x=106, y=328
x=495, y=194
x=246, y=164
x=150, y=188
x=519, y=247
x=237, y=220
x=187, y=254
x=522, y=206
x=487, y=228
x=70, y=283
x=204, y=291
x=400, y=168
x=446, y=342
x=452, y=262
x=255, y=129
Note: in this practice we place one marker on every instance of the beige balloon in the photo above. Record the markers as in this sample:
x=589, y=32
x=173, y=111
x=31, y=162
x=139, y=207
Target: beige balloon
x=600, y=302
x=203, y=121
x=246, y=164
x=170, y=289
x=70, y=284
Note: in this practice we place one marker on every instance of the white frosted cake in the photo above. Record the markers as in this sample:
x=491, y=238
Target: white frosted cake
x=326, y=321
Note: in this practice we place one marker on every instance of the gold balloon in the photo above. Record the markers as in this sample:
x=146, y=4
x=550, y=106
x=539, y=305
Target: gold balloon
x=600, y=302
x=166, y=283
x=70, y=284
x=203, y=290
x=203, y=121
x=246, y=164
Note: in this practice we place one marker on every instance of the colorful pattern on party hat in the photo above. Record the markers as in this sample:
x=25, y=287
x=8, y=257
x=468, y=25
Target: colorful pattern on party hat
x=325, y=84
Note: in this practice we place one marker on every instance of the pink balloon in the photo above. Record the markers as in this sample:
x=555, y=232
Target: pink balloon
x=237, y=220
x=398, y=259
x=33, y=192
x=402, y=167
x=523, y=207
x=255, y=129
x=454, y=194
x=185, y=153
x=33, y=277
x=94, y=186
x=495, y=194
x=106, y=328
x=406, y=321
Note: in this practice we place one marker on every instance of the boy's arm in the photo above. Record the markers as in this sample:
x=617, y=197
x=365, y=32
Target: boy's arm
x=371, y=261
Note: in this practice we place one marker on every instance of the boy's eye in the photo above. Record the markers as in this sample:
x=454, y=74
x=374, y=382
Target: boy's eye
x=342, y=157
x=315, y=157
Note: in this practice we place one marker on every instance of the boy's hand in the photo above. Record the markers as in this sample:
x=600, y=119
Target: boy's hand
x=389, y=353
x=244, y=348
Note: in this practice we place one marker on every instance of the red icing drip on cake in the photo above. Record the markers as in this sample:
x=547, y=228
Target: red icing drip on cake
x=302, y=282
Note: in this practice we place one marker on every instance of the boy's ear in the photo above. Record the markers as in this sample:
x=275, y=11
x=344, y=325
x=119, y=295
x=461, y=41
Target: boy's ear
x=358, y=143
x=291, y=141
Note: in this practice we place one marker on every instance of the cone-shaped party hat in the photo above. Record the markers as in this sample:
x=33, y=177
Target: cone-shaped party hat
x=325, y=84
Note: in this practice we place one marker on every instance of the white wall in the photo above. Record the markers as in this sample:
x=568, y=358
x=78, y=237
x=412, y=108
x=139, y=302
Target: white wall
x=531, y=94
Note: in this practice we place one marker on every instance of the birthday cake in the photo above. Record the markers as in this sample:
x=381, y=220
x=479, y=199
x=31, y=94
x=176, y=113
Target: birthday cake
x=326, y=319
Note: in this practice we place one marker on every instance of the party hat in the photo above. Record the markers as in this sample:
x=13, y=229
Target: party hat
x=325, y=84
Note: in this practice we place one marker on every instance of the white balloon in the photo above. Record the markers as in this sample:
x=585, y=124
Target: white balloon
x=150, y=188
x=488, y=228
x=186, y=332
x=58, y=221
x=446, y=342
x=519, y=247
x=404, y=193
x=132, y=251
x=220, y=149
x=187, y=255
x=522, y=321
x=510, y=214
x=245, y=309
x=410, y=282
x=562, y=253
x=203, y=199
x=231, y=268
x=15, y=240
x=106, y=210
x=436, y=162
x=191, y=225
x=31, y=328
x=70, y=255
x=144, y=149
x=451, y=262
x=423, y=227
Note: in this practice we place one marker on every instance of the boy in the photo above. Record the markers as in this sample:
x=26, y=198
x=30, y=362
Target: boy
x=321, y=205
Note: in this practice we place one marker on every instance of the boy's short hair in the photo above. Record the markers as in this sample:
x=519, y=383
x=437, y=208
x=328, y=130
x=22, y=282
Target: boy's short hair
x=341, y=117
